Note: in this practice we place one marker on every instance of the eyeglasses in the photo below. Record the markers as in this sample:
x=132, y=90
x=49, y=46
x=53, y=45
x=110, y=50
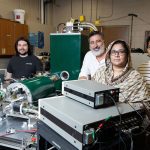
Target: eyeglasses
x=119, y=52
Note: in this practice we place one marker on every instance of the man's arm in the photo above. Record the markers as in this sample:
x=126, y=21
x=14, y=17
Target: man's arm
x=83, y=78
x=84, y=73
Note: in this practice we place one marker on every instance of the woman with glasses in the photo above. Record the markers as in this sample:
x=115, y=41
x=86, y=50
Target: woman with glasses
x=118, y=72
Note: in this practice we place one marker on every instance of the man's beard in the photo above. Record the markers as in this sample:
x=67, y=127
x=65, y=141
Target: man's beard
x=98, y=51
x=23, y=54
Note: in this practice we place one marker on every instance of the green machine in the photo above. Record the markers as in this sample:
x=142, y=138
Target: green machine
x=67, y=51
x=31, y=89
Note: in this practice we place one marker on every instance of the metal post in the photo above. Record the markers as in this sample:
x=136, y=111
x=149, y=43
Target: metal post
x=132, y=16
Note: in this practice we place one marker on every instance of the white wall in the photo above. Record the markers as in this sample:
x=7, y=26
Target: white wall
x=60, y=11
x=32, y=15
x=121, y=8
x=32, y=19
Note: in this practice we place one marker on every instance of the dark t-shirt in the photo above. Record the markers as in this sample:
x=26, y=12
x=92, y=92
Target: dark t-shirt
x=24, y=66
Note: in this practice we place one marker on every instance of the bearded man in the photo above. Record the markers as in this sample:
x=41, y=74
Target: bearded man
x=24, y=64
x=95, y=58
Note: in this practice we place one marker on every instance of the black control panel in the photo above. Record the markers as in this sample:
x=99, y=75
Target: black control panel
x=112, y=130
x=122, y=121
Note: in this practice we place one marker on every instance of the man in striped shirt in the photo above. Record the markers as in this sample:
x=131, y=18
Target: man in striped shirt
x=144, y=70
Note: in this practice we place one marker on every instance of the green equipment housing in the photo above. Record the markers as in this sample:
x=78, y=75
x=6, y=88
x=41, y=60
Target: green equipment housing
x=32, y=89
x=67, y=51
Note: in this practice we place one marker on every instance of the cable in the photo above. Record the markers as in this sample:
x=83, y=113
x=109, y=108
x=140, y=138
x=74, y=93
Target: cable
x=144, y=129
x=102, y=124
x=125, y=17
x=51, y=148
x=126, y=101
x=109, y=141
x=123, y=142
x=119, y=116
x=116, y=19
x=116, y=107
x=136, y=111
x=143, y=20
x=128, y=134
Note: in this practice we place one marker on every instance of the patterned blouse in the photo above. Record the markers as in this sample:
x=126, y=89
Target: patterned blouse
x=131, y=84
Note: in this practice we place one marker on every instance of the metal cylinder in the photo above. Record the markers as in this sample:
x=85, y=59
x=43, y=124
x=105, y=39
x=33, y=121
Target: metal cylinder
x=35, y=88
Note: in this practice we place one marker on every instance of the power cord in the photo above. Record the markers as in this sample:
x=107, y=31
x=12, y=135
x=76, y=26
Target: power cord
x=130, y=135
x=116, y=108
x=131, y=106
x=130, y=130
x=144, y=129
x=119, y=117
x=123, y=142
x=51, y=148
